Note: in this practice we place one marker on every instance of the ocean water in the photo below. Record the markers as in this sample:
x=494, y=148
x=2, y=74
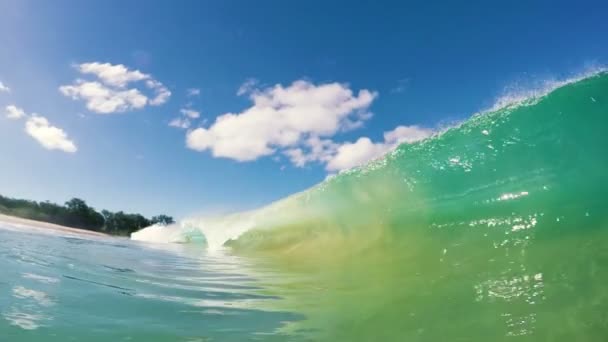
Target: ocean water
x=493, y=230
x=80, y=288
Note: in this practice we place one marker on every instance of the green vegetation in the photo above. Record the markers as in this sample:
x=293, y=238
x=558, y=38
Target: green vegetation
x=76, y=213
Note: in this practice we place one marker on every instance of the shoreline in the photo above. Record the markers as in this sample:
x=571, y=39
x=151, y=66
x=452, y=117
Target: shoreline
x=19, y=222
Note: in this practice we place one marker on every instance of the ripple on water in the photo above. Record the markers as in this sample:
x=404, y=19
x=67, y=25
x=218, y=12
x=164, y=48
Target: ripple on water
x=40, y=278
x=27, y=312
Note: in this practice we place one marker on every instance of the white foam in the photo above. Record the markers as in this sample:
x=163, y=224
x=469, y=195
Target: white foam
x=217, y=230
x=515, y=95
x=165, y=234
x=24, y=320
x=40, y=278
x=221, y=229
x=39, y=297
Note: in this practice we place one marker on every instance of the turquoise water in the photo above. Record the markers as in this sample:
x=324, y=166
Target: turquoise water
x=493, y=230
x=74, y=288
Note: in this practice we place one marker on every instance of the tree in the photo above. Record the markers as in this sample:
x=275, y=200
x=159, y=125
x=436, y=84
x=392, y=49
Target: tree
x=123, y=223
x=76, y=205
x=162, y=220
x=76, y=213
x=81, y=215
x=109, y=221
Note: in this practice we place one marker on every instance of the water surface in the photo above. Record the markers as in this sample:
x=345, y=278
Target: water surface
x=81, y=288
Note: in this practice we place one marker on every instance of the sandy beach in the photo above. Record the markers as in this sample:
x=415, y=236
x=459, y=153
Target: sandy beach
x=18, y=222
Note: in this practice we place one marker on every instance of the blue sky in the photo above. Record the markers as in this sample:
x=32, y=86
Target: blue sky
x=328, y=85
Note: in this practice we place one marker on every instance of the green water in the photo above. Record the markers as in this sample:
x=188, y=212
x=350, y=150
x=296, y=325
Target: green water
x=495, y=230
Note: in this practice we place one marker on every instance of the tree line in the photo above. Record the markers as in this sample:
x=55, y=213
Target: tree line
x=76, y=213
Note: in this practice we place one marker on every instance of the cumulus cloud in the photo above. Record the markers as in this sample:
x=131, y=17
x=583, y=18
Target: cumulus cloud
x=313, y=149
x=104, y=100
x=281, y=118
x=301, y=122
x=407, y=134
x=349, y=155
x=114, y=75
x=39, y=128
x=343, y=156
x=13, y=112
x=113, y=91
x=4, y=88
x=50, y=137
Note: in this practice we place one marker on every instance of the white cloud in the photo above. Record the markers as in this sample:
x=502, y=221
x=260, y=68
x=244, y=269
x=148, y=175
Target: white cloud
x=193, y=92
x=114, y=75
x=104, y=100
x=13, y=112
x=162, y=92
x=300, y=121
x=343, y=156
x=283, y=118
x=113, y=92
x=407, y=134
x=192, y=114
x=4, y=88
x=183, y=123
x=39, y=128
x=247, y=87
x=50, y=137
x=317, y=150
x=349, y=155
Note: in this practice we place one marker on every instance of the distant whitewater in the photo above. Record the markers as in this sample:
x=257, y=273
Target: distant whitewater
x=535, y=160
